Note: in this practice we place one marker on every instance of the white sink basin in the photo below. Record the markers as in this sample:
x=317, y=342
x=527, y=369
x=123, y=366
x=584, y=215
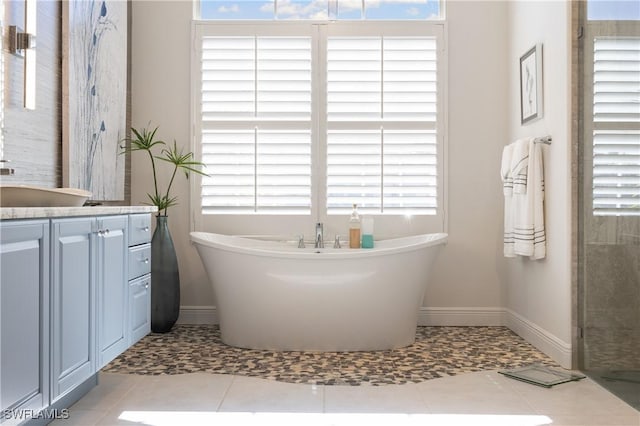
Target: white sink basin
x=35, y=196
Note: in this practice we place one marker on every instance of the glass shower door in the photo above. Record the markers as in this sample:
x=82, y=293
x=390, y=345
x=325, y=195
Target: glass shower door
x=609, y=228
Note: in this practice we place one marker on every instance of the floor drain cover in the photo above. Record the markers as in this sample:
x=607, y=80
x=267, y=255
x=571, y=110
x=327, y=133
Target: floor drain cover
x=541, y=375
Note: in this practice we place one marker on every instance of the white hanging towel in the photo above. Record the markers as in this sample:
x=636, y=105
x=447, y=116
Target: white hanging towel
x=527, y=204
x=519, y=165
x=507, y=188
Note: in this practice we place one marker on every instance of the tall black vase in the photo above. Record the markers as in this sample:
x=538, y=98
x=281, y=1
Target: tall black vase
x=165, y=279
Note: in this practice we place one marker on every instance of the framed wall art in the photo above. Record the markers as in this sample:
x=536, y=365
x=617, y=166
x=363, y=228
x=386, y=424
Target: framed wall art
x=95, y=96
x=531, y=85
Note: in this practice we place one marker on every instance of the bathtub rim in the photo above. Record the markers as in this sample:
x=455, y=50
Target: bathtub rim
x=270, y=248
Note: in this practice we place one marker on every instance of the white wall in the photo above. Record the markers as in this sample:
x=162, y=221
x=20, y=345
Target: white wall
x=539, y=292
x=161, y=41
x=467, y=272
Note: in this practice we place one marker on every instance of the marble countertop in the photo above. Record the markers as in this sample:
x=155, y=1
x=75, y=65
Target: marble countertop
x=48, y=212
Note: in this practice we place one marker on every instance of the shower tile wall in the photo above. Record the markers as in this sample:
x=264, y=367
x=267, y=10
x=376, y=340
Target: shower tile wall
x=612, y=295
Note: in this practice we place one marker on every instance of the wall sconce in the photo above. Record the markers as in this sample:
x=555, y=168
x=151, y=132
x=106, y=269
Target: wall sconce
x=22, y=44
x=19, y=41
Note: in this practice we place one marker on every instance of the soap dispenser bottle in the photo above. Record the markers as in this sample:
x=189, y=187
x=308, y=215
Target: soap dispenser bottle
x=354, y=228
x=367, y=232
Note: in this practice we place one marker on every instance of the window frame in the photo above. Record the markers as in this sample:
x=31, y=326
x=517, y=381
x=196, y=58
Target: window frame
x=197, y=14
x=600, y=29
x=386, y=225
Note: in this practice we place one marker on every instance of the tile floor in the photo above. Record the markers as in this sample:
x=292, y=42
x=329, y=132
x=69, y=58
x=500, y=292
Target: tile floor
x=436, y=352
x=481, y=398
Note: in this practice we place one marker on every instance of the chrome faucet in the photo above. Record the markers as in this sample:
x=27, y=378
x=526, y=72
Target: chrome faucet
x=319, y=232
x=6, y=171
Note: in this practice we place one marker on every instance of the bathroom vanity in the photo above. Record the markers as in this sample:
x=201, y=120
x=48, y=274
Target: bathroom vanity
x=75, y=293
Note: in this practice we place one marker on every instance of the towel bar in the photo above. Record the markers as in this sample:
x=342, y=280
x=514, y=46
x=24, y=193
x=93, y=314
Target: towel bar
x=545, y=140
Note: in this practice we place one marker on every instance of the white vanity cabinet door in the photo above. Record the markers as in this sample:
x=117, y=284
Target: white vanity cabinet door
x=73, y=292
x=24, y=317
x=113, y=288
x=140, y=307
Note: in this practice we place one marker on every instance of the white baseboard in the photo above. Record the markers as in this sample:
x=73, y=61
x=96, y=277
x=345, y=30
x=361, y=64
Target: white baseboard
x=461, y=317
x=554, y=347
x=198, y=315
x=546, y=342
x=426, y=316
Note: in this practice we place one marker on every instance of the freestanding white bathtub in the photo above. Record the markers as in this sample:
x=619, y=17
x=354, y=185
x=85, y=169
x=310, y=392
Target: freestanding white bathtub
x=273, y=295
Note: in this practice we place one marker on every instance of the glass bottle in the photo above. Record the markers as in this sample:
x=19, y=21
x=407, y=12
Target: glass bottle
x=354, y=228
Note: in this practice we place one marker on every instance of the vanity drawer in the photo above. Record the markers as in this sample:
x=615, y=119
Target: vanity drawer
x=139, y=229
x=139, y=308
x=139, y=261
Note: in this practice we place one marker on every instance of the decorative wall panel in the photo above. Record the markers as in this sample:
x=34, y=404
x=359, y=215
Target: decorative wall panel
x=95, y=96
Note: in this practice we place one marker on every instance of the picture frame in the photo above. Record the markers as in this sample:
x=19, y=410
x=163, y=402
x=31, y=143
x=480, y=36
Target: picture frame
x=531, y=85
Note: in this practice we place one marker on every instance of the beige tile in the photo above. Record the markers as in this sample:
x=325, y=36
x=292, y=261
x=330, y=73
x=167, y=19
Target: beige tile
x=482, y=398
x=374, y=399
x=581, y=398
x=110, y=389
x=598, y=420
x=80, y=418
x=113, y=418
x=248, y=394
x=474, y=393
x=197, y=392
x=175, y=418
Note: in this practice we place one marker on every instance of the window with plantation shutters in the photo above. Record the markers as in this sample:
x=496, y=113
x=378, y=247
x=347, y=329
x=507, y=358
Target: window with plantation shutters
x=304, y=120
x=256, y=124
x=382, y=145
x=616, y=126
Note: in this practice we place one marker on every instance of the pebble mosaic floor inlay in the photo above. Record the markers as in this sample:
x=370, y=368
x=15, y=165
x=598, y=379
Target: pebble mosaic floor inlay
x=437, y=352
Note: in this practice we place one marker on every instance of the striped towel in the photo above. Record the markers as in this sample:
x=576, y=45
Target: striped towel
x=523, y=187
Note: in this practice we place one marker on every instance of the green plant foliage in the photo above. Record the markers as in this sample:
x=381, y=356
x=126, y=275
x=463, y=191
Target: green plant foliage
x=144, y=140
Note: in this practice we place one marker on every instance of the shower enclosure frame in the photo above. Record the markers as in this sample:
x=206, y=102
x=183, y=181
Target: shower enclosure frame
x=614, y=237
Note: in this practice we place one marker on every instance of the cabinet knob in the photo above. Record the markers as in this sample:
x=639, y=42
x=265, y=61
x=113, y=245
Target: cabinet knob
x=145, y=229
x=106, y=231
x=145, y=260
x=146, y=285
x=100, y=232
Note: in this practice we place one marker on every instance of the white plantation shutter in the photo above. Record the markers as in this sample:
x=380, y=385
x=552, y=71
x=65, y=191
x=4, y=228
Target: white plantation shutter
x=256, y=124
x=284, y=171
x=616, y=83
x=382, y=144
x=354, y=76
x=354, y=170
x=228, y=78
x=306, y=119
x=230, y=159
x=410, y=171
x=410, y=82
x=616, y=126
x=284, y=78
